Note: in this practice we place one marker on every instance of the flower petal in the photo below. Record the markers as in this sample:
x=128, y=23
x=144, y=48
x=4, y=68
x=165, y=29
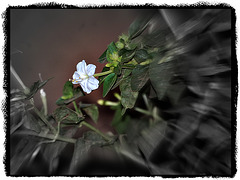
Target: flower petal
x=84, y=85
x=81, y=68
x=90, y=69
x=76, y=78
x=92, y=83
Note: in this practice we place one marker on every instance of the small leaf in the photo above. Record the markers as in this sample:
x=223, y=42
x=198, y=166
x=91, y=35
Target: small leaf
x=92, y=111
x=112, y=48
x=128, y=97
x=112, y=52
x=140, y=75
x=141, y=55
x=103, y=58
x=66, y=115
x=77, y=92
x=131, y=46
x=67, y=90
x=108, y=83
x=35, y=87
x=117, y=70
x=60, y=101
x=126, y=55
x=120, y=122
x=125, y=73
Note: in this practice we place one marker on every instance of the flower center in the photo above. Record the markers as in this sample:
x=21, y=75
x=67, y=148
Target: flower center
x=85, y=76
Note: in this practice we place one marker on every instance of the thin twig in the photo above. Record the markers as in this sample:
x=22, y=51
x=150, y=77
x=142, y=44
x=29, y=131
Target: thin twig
x=48, y=136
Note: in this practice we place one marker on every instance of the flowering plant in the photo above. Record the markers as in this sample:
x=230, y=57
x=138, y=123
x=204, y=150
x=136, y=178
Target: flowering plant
x=159, y=128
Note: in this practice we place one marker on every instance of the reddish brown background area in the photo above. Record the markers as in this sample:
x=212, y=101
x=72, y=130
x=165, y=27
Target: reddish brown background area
x=53, y=41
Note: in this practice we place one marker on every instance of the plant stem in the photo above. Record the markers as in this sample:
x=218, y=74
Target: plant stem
x=103, y=73
x=143, y=111
x=76, y=108
x=89, y=125
x=96, y=130
x=48, y=136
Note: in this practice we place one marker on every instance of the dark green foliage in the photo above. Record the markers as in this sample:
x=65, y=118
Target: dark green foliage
x=128, y=97
x=92, y=111
x=102, y=78
x=66, y=115
x=141, y=55
x=120, y=122
x=103, y=58
x=108, y=83
x=140, y=75
x=127, y=55
x=69, y=94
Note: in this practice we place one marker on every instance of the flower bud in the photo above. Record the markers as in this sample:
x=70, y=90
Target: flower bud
x=119, y=45
x=100, y=102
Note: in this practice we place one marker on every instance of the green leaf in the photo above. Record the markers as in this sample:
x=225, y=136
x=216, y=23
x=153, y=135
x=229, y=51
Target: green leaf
x=141, y=55
x=128, y=66
x=67, y=90
x=92, y=111
x=112, y=48
x=103, y=58
x=125, y=73
x=108, y=83
x=35, y=87
x=128, y=97
x=60, y=101
x=131, y=46
x=120, y=123
x=77, y=92
x=66, y=115
x=101, y=78
x=140, y=75
x=127, y=55
x=138, y=26
x=112, y=52
x=160, y=76
x=117, y=70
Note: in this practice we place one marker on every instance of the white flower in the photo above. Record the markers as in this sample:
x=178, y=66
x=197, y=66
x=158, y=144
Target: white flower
x=84, y=77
